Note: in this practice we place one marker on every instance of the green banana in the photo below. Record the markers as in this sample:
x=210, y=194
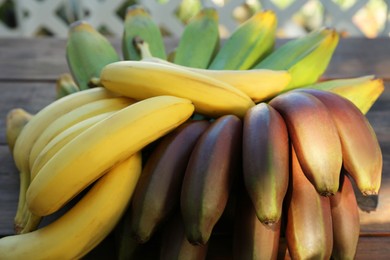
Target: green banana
x=209, y=177
x=87, y=52
x=265, y=155
x=345, y=220
x=308, y=231
x=362, y=91
x=138, y=23
x=158, y=190
x=199, y=41
x=306, y=58
x=248, y=44
x=65, y=85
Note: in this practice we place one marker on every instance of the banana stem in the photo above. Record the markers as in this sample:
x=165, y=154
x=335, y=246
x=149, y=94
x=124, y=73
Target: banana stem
x=32, y=223
x=143, y=47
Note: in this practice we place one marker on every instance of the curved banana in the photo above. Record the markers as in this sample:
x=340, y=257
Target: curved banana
x=15, y=120
x=72, y=117
x=315, y=138
x=306, y=58
x=158, y=191
x=362, y=91
x=209, y=176
x=199, y=41
x=308, y=231
x=34, y=128
x=85, y=225
x=65, y=85
x=345, y=220
x=249, y=43
x=258, y=84
x=138, y=23
x=141, y=79
x=265, y=153
x=361, y=152
x=102, y=145
x=87, y=52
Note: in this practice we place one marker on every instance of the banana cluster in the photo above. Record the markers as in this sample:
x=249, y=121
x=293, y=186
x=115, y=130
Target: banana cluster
x=170, y=145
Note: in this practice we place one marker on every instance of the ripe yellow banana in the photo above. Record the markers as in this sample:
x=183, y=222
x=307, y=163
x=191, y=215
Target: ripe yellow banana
x=361, y=152
x=142, y=79
x=85, y=225
x=16, y=119
x=265, y=153
x=94, y=151
x=258, y=84
x=314, y=136
x=34, y=128
x=76, y=115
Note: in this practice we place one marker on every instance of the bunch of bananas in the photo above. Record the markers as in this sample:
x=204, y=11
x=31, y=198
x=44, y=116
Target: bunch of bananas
x=175, y=143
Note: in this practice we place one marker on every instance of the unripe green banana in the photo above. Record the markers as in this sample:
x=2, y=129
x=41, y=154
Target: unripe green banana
x=199, y=41
x=138, y=23
x=158, y=191
x=345, y=220
x=208, y=178
x=308, y=231
x=361, y=152
x=248, y=44
x=142, y=79
x=16, y=119
x=65, y=85
x=315, y=138
x=102, y=145
x=265, y=155
x=87, y=52
x=362, y=91
x=306, y=58
x=175, y=245
x=86, y=224
x=253, y=239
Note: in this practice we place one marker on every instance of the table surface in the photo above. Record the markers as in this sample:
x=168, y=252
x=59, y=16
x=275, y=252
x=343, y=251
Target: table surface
x=30, y=67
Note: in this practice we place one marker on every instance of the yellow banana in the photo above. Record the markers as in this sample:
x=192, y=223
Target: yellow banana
x=85, y=225
x=76, y=115
x=94, y=151
x=258, y=84
x=16, y=119
x=142, y=79
x=34, y=128
x=65, y=85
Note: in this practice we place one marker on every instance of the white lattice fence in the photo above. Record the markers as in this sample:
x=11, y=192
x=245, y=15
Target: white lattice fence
x=295, y=17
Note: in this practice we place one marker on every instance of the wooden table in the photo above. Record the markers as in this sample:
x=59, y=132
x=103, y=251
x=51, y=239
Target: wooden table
x=29, y=68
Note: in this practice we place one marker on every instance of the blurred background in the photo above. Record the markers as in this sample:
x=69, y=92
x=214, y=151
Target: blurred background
x=51, y=18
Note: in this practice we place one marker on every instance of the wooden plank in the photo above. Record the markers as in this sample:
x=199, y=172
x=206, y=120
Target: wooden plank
x=44, y=59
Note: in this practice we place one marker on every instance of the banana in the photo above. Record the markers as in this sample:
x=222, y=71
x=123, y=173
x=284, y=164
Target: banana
x=361, y=152
x=102, y=145
x=87, y=52
x=15, y=120
x=199, y=41
x=138, y=23
x=362, y=91
x=65, y=85
x=209, y=176
x=174, y=243
x=306, y=58
x=80, y=229
x=314, y=136
x=251, y=238
x=258, y=84
x=265, y=155
x=249, y=43
x=308, y=231
x=158, y=191
x=76, y=115
x=141, y=79
x=34, y=128
x=59, y=141
x=345, y=220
